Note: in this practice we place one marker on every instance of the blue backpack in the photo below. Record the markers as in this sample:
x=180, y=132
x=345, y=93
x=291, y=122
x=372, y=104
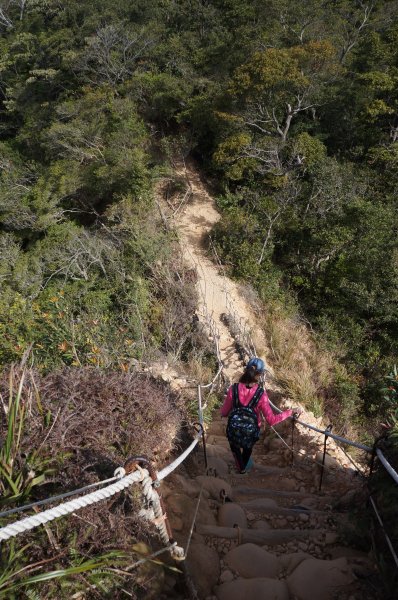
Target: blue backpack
x=242, y=427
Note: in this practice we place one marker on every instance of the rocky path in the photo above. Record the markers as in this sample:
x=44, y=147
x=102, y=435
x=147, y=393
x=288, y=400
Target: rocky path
x=269, y=534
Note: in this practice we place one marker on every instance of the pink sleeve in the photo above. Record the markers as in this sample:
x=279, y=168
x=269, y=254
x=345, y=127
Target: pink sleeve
x=271, y=417
x=227, y=406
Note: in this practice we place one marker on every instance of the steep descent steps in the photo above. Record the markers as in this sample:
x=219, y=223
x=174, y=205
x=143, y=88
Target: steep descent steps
x=301, y=553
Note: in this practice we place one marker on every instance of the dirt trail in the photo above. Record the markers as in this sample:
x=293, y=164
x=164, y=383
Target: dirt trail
x=269, y=533
x=194, y=224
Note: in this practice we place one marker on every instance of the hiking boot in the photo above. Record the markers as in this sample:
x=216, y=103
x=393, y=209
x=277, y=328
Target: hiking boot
x=249, y=465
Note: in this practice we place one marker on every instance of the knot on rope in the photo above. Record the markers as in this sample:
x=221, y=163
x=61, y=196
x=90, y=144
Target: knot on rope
x=147, y=514
x=154, y=509
x=177, y=553
x=120, y=472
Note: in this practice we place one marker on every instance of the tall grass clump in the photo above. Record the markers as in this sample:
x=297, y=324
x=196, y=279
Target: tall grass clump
x=310, y=374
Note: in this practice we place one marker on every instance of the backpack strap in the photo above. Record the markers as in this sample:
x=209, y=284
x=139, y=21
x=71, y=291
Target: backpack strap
x=256, y=398
x=235, y=396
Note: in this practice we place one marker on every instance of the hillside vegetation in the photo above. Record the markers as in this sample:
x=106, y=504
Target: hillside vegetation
x=291, y=111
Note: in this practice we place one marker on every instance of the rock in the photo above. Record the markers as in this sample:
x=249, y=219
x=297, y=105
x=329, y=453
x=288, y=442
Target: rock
x=226, y=576
x=205, y=515
x=290, y=561
x=218, y=465
x=204, y=568
x=289, y=485
x=231, y=514
x=331, y=538
x=275, y=444
x=261, y=525
x=219, y=452
x=309, y=502
x=251, y=561
x=186, y=486
x=315, y=578
x=217, y=427
x=176, y=523
x=218, y=440
x=347, y=499
x=271, y=589
x=261, y=504
x=304, y=517
x=179, y=504
x=303, y=546
x=215, y=486
x=330, y=462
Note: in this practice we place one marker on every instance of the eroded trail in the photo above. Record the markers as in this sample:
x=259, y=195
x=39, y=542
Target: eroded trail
x=215, y=290
x=269, y=533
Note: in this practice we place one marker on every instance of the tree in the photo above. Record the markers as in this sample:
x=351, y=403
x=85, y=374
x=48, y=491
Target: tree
x=270, y=92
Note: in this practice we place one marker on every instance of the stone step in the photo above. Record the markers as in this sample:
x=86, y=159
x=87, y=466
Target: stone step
x=269, y=506
x=269, y=537
x=225, y=454
x=270, y=493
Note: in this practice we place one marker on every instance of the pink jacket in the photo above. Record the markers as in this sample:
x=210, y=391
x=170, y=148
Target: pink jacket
x=263, y=408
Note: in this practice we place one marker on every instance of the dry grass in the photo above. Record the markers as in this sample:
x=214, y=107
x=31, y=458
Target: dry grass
x=87, y=422
x=302, y=370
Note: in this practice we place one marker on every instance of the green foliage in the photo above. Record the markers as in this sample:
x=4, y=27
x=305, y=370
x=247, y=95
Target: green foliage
x=391, y=398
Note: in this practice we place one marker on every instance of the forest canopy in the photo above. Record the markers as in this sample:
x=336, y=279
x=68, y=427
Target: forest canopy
x=292, y=111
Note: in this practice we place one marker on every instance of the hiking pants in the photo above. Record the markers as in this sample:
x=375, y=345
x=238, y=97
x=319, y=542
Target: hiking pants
x=241, y=456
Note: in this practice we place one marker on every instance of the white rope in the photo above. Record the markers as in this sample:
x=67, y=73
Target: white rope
x=56, y=498
x=68, y=507
x=170, y=468
x=158, y=518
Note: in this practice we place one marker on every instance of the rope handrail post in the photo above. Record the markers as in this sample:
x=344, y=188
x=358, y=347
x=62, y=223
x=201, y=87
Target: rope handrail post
x=201, y=431
x=293, y=427
x=326, y=433
x=156, y=510
x=200, y=409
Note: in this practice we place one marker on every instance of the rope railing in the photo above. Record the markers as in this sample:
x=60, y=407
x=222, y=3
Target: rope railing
x=52, y=499
x=68, y=508
x=341, y=440
x=121, y=481
x=246, y=343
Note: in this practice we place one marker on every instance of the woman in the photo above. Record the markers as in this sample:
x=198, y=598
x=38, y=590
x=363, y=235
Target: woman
x=244, y=403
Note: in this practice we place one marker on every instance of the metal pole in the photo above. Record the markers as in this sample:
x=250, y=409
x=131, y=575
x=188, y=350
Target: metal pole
x=202, y=431
x=327, y=431
x=293, y=424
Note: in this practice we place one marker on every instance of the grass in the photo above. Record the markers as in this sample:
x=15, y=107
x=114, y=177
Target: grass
x=310, y=375
x=19, y=476
x=300, y=368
